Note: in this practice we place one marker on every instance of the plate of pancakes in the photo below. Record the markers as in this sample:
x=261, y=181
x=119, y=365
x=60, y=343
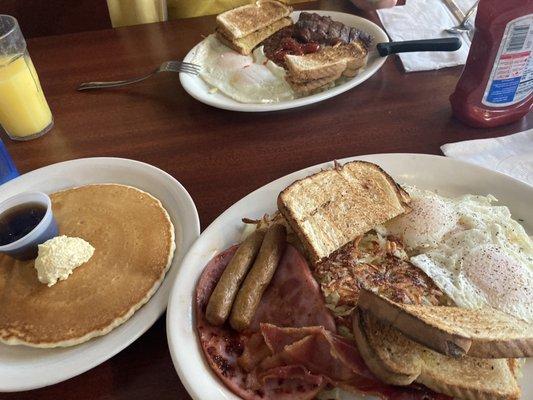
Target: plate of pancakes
x=140, y=221
x=445, y=176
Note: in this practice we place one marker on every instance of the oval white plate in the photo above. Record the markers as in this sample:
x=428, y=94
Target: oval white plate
x=447, y=176
x=24, y=368
x=197, y=88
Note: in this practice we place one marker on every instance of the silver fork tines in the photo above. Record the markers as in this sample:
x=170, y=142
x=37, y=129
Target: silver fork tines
x=464, y=23
x=167, y=66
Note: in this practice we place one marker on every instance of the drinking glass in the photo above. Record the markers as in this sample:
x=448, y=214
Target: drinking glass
x=24, y=112
x=134, y=12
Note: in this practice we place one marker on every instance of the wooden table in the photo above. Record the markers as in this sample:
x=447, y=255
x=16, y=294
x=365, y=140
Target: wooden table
x=219, y=156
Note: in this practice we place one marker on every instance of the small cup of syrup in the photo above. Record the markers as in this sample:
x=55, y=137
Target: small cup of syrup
x=26, y=220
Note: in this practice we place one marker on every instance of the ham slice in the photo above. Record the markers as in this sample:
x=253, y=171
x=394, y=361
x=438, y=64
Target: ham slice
x=290, y=375
x=293, y=297
x=278, y=338
x=222, y=346
x=255, y=351
x=318, y=350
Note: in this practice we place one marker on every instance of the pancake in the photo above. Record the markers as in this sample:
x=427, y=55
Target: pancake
x=134, y=245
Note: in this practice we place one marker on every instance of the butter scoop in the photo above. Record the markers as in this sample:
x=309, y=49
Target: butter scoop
x=60, y=256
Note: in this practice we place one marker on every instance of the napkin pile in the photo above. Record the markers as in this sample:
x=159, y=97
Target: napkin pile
x=511, y=155
x=425, y=19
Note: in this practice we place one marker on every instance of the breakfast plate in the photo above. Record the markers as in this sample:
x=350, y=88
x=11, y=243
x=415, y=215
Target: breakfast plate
x=446, y=176
x=201, y=91
x=24, y=368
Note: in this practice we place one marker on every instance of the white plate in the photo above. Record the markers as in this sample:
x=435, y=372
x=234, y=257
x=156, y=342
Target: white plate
x=24, y=368
x=448, y=176
x=197, y=88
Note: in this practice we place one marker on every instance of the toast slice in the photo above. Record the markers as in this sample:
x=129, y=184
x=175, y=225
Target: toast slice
x=397, y=360
x=307, y=67
x=453, y=331
x=242, y=21
x=327, y=71
x=335, y=206
x=246, y=44
x=316, y=85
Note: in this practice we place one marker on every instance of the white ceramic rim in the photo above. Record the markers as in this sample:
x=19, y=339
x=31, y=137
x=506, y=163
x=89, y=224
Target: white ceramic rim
x=18, y=199
x=143, y=318
x=181, y=356
x=226, y=103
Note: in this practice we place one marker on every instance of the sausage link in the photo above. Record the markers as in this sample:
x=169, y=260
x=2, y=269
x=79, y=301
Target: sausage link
x=221, y=300
x=258, y=278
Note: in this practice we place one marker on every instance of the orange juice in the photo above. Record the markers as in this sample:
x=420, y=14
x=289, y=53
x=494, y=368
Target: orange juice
x=24, y=111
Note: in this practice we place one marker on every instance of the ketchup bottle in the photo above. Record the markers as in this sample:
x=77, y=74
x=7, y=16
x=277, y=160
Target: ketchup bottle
x=496, y=87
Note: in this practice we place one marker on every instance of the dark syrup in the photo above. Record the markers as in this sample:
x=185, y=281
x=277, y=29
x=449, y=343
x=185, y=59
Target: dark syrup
x=20, y=220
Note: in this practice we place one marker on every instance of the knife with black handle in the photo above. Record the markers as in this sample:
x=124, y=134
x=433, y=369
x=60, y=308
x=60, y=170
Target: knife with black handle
x=410, y=46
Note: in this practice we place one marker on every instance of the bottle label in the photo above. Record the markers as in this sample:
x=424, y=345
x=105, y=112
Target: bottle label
x=511, y=79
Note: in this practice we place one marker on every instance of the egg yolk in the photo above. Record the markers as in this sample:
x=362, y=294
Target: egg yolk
x=430, y=219
x=506, y=283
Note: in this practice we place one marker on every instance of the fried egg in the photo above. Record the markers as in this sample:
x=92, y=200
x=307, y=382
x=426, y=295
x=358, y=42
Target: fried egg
x=430, y=219
x=473, y=250
x=247, y=79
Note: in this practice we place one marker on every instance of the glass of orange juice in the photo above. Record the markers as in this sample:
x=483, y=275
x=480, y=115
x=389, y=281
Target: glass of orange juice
x=24, y=112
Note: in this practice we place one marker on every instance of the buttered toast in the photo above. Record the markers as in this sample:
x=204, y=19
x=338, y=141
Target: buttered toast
x=242, y=21
x=315, y=71
x=397, y=360
x=326, y=62
x=246, y=44
x=243, y=28
x=334, y=206
x=453, y=331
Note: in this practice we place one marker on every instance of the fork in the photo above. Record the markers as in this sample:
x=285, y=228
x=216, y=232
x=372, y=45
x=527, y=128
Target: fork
x=167, y=66
x=462, y=28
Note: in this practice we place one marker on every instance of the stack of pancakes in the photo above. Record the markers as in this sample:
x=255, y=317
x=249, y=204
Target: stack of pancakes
x=134, y=246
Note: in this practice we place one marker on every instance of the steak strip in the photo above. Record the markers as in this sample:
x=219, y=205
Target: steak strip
x=312, y=27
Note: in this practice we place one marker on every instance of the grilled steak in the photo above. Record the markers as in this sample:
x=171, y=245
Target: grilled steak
x=309, y=35
x=312, y=27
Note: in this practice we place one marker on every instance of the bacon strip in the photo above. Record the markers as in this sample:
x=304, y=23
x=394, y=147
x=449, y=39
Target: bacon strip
x=333, y=357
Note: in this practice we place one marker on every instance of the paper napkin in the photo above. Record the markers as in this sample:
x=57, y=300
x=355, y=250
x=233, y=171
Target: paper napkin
x=512, y=155
x=425, y=19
